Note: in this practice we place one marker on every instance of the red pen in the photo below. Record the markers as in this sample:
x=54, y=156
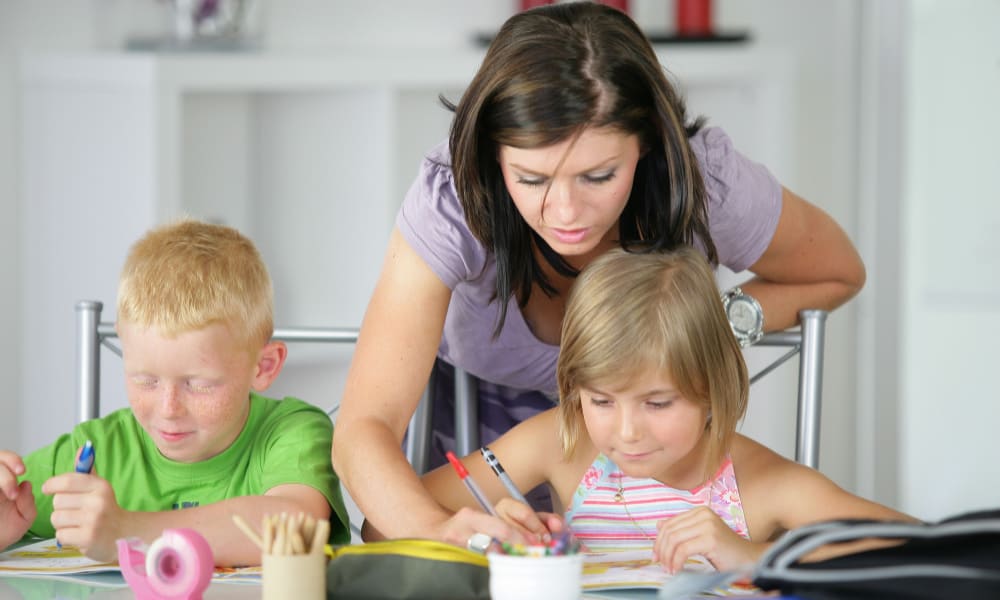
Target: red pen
x=470, y=483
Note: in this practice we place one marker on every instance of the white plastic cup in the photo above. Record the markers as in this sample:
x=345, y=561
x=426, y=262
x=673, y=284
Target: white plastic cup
x=535, y=577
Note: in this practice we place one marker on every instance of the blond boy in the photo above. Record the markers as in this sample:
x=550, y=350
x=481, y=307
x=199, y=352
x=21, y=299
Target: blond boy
x=198, y=444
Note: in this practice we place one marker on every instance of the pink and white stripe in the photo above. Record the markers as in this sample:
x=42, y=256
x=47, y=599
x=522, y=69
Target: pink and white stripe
x=602, y=523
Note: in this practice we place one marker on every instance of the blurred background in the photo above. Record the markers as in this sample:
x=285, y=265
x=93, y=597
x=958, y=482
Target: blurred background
x=306, y=131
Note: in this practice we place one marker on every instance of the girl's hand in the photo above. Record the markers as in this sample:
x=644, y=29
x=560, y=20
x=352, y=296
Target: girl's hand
x=701, y=531
x=535, y=528
x=86, y=514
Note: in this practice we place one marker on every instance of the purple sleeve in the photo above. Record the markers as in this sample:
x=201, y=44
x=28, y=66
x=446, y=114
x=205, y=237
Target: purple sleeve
x=744, y=199
x=432, y=221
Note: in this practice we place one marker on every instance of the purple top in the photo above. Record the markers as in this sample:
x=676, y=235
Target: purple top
x=744, y=203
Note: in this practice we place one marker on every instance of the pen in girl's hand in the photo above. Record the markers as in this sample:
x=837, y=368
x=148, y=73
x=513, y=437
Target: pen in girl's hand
x=470, y=483
x=494, y=464
x=84, y=464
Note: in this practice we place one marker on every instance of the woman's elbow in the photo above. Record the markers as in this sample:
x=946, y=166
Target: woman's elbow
x=842, y=289
x=855, y=278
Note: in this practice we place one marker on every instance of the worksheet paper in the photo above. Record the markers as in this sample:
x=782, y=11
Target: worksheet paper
x=44, y=557
x=629, y=570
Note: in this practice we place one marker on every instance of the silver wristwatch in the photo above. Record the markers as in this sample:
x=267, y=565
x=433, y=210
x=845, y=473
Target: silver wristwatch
x=745, y=316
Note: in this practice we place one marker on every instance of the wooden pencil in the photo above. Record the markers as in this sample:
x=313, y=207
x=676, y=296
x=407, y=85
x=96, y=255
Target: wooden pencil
x=320, y=536
x=308, y=530
x=279, y=536
x=248, y=531
x=268, y=535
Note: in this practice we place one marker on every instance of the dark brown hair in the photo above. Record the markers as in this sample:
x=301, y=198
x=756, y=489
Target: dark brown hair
x=549, y=73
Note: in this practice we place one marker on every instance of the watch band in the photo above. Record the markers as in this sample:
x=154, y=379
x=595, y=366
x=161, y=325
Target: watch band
x=750, y=329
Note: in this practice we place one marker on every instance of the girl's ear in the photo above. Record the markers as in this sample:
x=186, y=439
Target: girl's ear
x=269, y=363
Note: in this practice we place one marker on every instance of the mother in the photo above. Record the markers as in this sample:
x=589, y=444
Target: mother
x=568, y=142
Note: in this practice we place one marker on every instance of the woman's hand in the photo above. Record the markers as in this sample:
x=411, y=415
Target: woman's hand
x=701, y=531
x=461, y=526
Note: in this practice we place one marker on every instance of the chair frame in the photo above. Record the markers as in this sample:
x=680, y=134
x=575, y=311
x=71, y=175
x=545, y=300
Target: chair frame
x=807, y=341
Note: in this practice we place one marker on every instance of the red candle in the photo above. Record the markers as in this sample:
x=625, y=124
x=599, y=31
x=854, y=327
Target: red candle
x=526, y=4
x=694, y=17
x=621, y=5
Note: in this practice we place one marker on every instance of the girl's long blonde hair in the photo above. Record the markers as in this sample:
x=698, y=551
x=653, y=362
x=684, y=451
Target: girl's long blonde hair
x=628, y=313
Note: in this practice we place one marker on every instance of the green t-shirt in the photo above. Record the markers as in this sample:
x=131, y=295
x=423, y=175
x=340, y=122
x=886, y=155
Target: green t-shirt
x=284, y=441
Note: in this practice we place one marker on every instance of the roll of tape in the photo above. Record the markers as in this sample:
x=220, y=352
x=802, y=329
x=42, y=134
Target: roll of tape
x=178, y=566
x=178, y=563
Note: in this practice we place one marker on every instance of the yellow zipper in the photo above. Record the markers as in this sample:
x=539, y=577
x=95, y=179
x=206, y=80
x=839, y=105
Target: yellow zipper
x=417, y=548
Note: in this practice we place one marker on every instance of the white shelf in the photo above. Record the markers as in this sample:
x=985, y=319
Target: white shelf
x=424, y=69
x=252, y=72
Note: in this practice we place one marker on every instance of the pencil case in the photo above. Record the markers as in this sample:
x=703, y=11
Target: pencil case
x=406, y=568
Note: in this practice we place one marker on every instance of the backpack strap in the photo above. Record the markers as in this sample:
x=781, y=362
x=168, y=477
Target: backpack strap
x=781, y=562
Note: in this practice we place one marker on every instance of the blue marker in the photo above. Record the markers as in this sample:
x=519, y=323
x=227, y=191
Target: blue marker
x=84, y=464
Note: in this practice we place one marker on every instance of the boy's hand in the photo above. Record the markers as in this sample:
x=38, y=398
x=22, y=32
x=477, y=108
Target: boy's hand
x=701, y=531
x=536, y=528
x=86, y=514
x=17, y=503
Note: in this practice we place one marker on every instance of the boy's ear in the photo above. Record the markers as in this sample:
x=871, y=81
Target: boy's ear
x=271, y=359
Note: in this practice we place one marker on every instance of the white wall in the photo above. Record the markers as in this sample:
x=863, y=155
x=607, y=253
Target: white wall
x=24, y=25
x=822, y=39
x=883, y=27
x=929, y=193
x=9, y=272
x=950, y=296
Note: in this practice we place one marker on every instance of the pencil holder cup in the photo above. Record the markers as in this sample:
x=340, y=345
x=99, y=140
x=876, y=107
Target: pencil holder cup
x=535, y=577
x=299, y=576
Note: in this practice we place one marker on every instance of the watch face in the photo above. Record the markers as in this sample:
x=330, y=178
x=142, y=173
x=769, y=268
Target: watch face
x=743, y=315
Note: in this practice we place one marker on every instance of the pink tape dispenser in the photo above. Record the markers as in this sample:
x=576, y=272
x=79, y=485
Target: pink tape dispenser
x=177, y=566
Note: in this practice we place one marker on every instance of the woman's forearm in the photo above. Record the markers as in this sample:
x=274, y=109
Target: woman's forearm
x=781, y=302
x=371, y=465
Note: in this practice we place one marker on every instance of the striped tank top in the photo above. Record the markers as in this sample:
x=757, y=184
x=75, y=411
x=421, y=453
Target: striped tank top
x=604, y=519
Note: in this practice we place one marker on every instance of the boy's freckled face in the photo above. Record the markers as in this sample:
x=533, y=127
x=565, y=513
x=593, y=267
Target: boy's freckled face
x=191, y=392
